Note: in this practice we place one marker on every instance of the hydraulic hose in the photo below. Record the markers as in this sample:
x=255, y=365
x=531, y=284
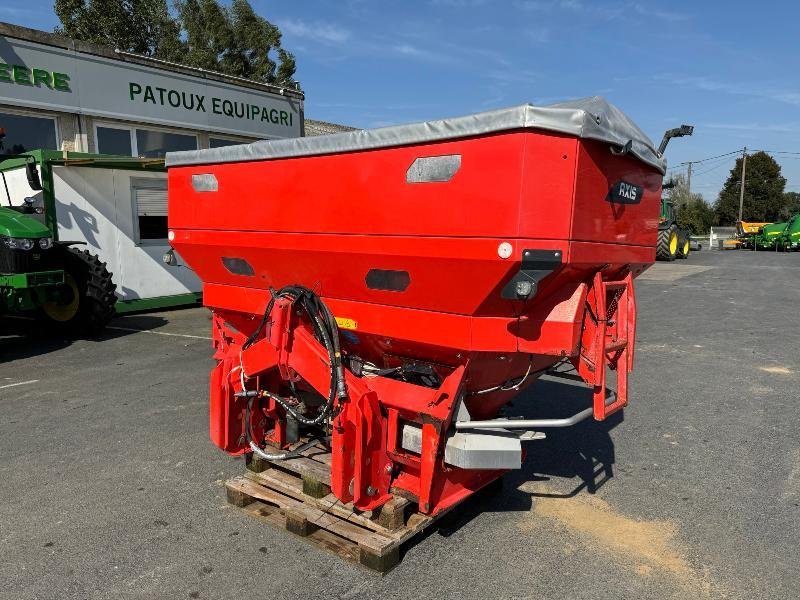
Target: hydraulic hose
x=281, y=455
x=326, y=331
x=265, y=455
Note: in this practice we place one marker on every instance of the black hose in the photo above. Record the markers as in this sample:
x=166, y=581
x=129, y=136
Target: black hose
x=327, y=332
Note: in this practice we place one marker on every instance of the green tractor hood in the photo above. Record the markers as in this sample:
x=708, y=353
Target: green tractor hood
x=769, y=235
x=790, y=238
x=773, y=229
x=793, y=228
x=17, y=225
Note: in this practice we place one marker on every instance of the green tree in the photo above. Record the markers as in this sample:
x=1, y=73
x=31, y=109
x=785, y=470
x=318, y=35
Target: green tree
x=234, y=40
x=764, y=198
x=791, y=205
x=140, y=26
x=202, y=33
x=691, y=212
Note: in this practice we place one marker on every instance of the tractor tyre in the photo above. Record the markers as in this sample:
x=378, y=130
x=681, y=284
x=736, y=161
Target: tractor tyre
x=87, y=301
x=683, y=247
x=667, y=246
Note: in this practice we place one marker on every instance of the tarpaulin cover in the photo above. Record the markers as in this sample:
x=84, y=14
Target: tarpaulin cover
x=590, y=118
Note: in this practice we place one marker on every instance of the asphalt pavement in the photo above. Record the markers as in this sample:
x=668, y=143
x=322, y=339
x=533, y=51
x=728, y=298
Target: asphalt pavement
x=110, y=488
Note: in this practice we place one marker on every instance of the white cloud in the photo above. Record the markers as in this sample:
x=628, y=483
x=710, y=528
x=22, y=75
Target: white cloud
x=422, y=54
x=793, y=128
x=324, y=33
x=650, y=11
x=459, y=3
x=609, y=12
x=538, y=35
x=16, y=12
x=752, y=89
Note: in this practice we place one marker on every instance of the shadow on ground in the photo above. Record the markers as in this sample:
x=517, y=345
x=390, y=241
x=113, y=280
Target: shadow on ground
x=584, y=453
x=22, y=337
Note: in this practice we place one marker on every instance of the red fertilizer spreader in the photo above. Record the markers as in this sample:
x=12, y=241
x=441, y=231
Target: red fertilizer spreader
x=390, y=290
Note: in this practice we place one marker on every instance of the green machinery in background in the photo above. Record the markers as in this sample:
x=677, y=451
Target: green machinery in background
x=789, y=239
x=783, y=236
x=116, y=207
x=43, y=276
x=768, y=236
x=673, y=242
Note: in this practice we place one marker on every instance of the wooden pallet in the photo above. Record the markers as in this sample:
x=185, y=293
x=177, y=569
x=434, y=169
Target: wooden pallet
x=295, y=495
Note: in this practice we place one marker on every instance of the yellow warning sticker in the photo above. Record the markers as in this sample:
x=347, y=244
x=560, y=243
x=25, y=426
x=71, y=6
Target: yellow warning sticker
x=345, y=323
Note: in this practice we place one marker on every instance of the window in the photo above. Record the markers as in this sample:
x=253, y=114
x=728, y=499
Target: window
x=24, y=133
x=111, y=140
x=155, y=144
x=150, y=143
x=150, y=207
x=222, y=142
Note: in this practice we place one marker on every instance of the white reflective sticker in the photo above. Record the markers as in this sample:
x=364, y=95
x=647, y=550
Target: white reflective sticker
x=430, y=169
x=205, y=182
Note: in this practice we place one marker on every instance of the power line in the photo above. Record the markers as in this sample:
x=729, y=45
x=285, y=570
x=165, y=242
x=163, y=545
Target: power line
x=722, y=160
x=707, y=159
x=699, y=173
x=702, y=160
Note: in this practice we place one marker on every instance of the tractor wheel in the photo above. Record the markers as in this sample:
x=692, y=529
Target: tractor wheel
x=683, y=248
x=87, y=298
x=667, y=246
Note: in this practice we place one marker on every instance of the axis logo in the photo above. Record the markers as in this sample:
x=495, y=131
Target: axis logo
x=623, y=192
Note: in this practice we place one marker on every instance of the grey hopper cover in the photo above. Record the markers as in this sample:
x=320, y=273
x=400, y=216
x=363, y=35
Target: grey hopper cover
x=589, y=118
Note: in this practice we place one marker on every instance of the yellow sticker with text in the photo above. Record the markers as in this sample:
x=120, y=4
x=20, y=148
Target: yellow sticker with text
x=345, y=323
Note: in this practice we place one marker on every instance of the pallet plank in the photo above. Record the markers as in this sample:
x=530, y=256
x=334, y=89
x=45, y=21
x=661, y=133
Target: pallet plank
x=320, y=538
x=372, y=540
x=290, y=485
x=294, y=495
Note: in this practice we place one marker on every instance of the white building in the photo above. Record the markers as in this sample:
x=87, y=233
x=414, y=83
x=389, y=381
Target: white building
x=72, y=101
x=59, y=93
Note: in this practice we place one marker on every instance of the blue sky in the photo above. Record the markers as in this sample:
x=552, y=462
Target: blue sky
x=730, y=68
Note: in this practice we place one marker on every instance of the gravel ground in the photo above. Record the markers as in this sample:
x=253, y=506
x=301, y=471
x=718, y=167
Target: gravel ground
x=109, y=487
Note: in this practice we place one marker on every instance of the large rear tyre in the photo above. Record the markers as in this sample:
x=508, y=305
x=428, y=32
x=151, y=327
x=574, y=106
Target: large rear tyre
x=683, y=247
x=667, y=246
x=86, y=300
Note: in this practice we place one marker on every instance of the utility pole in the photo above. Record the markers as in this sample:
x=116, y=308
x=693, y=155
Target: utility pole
x=689, y=180
x=741, y=188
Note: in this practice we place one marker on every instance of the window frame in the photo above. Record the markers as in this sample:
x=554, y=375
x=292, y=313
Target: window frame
x=37, y=115
x=138, y=183
x=235, y=140
x=131, y=133
x=132, y=129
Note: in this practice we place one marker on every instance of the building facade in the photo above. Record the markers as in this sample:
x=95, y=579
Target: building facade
x=63, y=94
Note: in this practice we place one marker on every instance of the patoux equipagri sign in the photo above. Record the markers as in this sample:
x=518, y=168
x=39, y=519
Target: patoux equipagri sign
x=37, y=76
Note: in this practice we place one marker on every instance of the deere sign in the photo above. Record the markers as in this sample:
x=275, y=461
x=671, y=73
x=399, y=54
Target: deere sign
x=38, y=76
x=22, y=75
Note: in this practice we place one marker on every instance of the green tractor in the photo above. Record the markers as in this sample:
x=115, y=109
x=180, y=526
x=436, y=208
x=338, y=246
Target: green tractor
x=789, y=239
x=768, y=236
x=40, y=275
x=673, y=242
